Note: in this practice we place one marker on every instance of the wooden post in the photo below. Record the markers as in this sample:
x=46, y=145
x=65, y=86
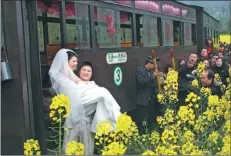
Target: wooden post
x=156, y=69
x=172, y=59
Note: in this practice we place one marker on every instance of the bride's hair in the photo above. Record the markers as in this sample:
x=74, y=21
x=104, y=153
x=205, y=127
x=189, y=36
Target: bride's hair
x=71, y=54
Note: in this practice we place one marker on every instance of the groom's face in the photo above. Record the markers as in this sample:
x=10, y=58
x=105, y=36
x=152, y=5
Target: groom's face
x=85, y=73
x=73, y=63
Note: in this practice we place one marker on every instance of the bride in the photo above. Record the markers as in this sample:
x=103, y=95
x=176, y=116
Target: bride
x=85, y=96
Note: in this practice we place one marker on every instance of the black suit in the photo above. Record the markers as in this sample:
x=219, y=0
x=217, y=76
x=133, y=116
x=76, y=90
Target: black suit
x=144, y=86
x=145, y=91
x=184, y=80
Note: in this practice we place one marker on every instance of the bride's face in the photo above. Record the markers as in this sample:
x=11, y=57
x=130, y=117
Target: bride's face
x=85, y=73
x=73, y=63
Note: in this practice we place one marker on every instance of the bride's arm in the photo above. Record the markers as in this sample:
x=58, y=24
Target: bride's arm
x=74, y=77
x=77, y=79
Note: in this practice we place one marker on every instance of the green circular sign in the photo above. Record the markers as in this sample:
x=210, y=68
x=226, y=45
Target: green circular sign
x=118, y=76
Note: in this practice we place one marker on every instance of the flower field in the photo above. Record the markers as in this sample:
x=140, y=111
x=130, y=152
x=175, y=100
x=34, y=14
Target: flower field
x=202, y=126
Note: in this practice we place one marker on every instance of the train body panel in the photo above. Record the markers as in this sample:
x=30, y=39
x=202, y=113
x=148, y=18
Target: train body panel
x=125, y=94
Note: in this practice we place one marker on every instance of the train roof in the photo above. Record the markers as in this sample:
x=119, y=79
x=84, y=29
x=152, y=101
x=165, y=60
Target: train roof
x=195, y=6
x=211, y=16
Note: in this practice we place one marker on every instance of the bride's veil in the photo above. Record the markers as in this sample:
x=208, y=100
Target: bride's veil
x=62, y=79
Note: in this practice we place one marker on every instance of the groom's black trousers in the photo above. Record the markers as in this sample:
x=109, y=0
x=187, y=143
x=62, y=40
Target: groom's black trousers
x=147, y=113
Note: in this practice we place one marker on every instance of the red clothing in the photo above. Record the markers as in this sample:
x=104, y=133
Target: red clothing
x=204, y=57
x=209, y=49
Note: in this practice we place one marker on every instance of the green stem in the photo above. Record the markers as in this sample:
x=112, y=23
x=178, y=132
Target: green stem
x=60, y=136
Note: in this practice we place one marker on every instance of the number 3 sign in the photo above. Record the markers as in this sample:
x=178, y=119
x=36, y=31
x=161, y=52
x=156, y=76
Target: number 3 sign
x=118, y=76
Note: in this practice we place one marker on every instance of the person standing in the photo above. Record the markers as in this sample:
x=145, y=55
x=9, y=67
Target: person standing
x=145, y=91
x=209, y=45
x=186, y=76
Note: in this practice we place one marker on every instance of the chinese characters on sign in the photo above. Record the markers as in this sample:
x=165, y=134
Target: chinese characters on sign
x=116, y=58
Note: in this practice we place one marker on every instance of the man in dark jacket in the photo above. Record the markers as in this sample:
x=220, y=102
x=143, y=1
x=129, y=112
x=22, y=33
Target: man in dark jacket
x=186, y=76
x=207, y=80
x=145, y=89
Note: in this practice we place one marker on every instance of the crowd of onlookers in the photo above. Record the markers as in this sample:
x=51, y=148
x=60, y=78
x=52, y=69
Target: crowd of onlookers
x=216, y=62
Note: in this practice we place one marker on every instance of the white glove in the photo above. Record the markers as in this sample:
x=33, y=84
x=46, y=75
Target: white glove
x=194, y=72
x=217, y=83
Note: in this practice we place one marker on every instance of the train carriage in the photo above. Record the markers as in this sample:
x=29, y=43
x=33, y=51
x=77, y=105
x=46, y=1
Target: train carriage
x=115, y=36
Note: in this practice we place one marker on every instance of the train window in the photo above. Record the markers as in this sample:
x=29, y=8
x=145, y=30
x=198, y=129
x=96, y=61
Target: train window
x=107, y=28
x=150, y=31
x=71, y=34
x=176, y=33
x=159, y=27
x=188, y=13
x=208, y=34
x=194, y=37
x=139, y=30
x=53, y=23
x=187, y=34
x=54, y=33
x=212, y=35
x=205, y=33
x=167, y=30
x=147, y=29
x=78, y=29
x=217, y=36
x=40, y=36
x=126, y=29
x=113, y=28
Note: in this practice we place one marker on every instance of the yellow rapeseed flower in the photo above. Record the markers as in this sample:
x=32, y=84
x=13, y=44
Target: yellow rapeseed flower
x=189, y=148
x=205, y=91
x=161, y=99
x=148, y=152
x=163, y=150
x=188, y=136
x=104, y=127
x=31, y=147
x=155, y=138
x=227, y=127
x=60, y=108
x=114, y=148
x=200, y=68
x=226, y=149
x=125, y=125
x=75, y=148
x=186, y=114
x=213, y=137
x=195, y=83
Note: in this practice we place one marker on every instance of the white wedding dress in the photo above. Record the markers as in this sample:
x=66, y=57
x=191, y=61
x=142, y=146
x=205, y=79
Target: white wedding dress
x=89, y=102
x=95, y=99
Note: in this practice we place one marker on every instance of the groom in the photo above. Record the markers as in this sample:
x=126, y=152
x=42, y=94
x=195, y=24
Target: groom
x=145, y=92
